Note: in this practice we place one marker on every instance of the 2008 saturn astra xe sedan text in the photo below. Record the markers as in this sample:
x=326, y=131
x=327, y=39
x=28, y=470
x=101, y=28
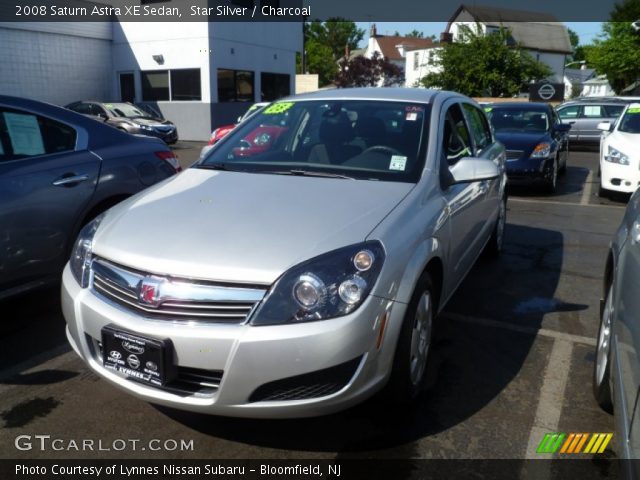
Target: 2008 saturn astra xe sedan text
x=299, y=278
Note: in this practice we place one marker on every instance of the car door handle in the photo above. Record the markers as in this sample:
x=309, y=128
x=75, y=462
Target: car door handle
x=70, y=180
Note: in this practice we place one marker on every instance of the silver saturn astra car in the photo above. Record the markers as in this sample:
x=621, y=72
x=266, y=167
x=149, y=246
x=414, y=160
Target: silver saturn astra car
x=297, y=268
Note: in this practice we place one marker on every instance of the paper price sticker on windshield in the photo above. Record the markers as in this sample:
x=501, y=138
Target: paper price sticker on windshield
x=634, y=110
x=398, y=162
x=279, y=107
x=488, y=109
x=412, y=116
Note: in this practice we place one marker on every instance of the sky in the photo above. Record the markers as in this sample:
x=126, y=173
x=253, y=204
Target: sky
x=587, y=31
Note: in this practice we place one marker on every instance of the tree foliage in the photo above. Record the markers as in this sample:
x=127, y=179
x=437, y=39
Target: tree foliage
x=484, y=65
x=361, y=71
x=326, y=42
x=617, y=52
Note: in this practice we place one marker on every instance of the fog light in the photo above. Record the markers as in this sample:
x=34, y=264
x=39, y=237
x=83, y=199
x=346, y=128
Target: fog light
x=308, y=291
x=363, y=260
x=351, y=290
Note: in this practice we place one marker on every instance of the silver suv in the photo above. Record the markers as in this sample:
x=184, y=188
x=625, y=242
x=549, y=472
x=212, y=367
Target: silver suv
x=586, y=113
x=300, y=275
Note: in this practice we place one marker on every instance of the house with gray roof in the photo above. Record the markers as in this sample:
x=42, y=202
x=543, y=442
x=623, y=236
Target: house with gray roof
x=542, y=35
x=574, y=80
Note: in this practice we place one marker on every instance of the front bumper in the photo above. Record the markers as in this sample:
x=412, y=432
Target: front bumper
x=169, y=137
x=529, y=171
x=619, y=178
x=249, y=357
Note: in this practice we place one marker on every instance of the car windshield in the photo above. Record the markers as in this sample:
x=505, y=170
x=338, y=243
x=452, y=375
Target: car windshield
x=361, y=139
x=518, y=119
x=126, y=110
x=630, y=122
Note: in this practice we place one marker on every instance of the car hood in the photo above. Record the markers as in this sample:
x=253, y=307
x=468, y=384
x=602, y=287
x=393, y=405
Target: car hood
x=522, y=141
x=241, y=227
x=628, y=143
x=149, y=121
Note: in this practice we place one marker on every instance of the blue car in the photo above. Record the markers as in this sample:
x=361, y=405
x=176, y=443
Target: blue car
x=537, y=142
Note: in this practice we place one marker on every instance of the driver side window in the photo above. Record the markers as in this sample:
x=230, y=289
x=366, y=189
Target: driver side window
x=456, y=138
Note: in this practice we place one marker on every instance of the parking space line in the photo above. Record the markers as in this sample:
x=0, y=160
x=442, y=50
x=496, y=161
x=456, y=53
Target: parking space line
x=551, y=399
x=552, y=202
x=544, y=332
x=586, y=191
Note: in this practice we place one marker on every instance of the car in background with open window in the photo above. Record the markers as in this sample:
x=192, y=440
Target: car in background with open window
x=58, y=171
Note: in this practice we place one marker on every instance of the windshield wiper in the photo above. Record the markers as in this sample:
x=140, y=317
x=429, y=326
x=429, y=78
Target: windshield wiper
x=216, y=166
x=311, y=173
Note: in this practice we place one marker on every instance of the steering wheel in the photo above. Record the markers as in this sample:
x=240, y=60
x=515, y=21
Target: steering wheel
x=384, y=148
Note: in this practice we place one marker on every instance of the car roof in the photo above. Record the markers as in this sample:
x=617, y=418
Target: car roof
x=416, y=95
x=529, y=105
x=602, y=100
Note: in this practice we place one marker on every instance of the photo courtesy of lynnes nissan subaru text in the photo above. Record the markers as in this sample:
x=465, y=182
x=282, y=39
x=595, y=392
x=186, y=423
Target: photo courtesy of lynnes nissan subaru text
x=300, y=278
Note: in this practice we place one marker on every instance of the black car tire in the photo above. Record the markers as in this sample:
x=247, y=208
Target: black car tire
x=563, y=168
x=602, y=379
x=408, y=373
x=603, y=192
x=552, y=183
x=494, y=247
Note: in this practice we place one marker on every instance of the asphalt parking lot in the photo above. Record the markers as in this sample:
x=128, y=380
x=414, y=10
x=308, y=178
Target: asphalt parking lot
x=512, y=360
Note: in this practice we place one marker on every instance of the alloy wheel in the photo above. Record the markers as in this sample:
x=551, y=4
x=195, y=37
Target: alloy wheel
x=421, y=338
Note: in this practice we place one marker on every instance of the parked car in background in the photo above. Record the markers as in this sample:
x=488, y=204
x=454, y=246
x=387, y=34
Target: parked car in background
x=59, y=170
x=305, y=277
x=616, y=374
x=620, y=152
x=220, y=132
x=584, y=114
x=129, y=118
x=537, y=142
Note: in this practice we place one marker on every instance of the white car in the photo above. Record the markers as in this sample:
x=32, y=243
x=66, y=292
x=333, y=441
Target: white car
x=620, y=152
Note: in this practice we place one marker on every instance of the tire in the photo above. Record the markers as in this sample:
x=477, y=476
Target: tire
x=563, y=168
x=552, y=183
x=603, y=192
x=408, y=374
x=602, y=367
x=494, y=247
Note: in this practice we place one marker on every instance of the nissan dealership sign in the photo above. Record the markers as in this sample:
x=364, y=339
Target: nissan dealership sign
x=546, y=92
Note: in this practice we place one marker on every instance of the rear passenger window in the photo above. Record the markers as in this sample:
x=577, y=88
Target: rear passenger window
x=614, y=111
x=593, y=111
x=479, y=127
x=24, y=134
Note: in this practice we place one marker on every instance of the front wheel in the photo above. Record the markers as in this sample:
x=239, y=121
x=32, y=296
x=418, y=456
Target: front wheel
x=602, y=368
x=408, y=373
x=552, y=180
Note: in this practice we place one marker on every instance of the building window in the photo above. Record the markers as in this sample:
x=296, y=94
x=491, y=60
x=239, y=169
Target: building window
x=416, y=62
x=155, y=85
x=235, y=86
x=274, y=86
x=182, y=84
x=185, y=84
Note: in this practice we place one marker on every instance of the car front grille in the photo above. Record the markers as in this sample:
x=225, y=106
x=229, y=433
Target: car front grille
x=309, y=385
x=163, y=128
x=175, y=299
x=514, y=154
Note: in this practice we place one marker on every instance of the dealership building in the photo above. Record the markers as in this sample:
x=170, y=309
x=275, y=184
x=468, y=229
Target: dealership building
x=198, y=74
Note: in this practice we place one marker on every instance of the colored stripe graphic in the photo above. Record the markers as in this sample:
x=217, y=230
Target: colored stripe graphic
x=573, y=443
x=550, y=443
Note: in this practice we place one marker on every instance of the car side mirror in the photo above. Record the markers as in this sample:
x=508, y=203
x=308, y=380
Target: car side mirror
x=562, y=127
x=103, y=117
x=470, y=169
x=605, y=126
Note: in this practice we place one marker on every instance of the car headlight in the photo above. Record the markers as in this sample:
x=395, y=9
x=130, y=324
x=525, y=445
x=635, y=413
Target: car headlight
x=327, y=286
x=145, y=127
x=542, y=150
x=81, y=256
x=616, y=156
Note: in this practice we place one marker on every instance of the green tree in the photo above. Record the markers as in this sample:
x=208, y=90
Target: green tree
x=616, y=53
x=336, y=33
x=484, y=65
x=327, y=42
